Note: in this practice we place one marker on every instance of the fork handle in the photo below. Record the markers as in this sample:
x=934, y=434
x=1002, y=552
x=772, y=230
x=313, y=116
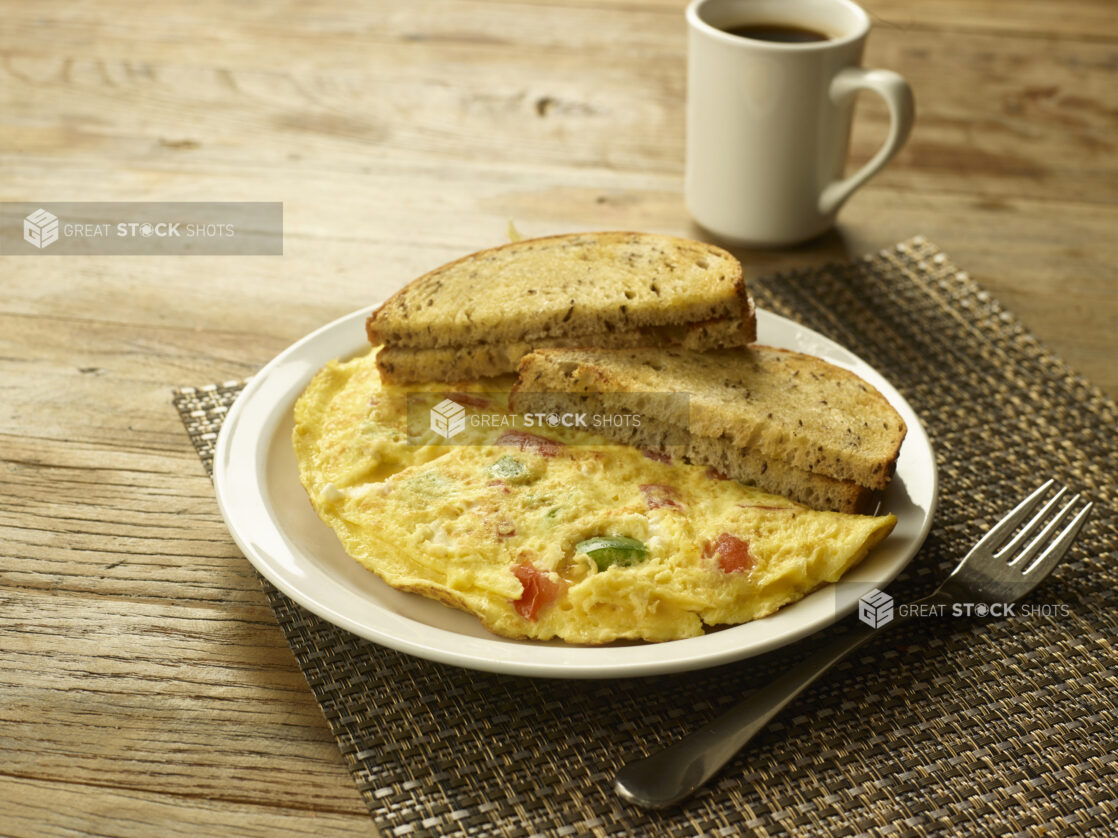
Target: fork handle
x=672, y=774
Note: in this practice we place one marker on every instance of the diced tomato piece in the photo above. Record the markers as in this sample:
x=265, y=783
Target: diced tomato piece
x=715, y=474
x=530, y=442
x=540, y=591
x=658, y=495
x=733, y=553
x=658, y=456
x=469, y=399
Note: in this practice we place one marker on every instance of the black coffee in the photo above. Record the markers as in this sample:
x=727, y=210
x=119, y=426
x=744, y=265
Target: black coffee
x=782, y=33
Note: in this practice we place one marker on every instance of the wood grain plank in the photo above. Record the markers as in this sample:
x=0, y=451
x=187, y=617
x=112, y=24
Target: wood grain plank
x=997, y=114
x=179, y=699
x=535, y=23
x=1020, y=249
x=1083, y=19
x=45, y=808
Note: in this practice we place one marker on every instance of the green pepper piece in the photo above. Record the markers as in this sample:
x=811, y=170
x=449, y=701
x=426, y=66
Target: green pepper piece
x=607, y=550
x=509, y=469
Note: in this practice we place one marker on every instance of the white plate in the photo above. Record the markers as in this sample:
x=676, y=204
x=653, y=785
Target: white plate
x=268, y=513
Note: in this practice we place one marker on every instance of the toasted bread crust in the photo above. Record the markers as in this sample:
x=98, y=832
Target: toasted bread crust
x=558, y=286
x=405, y=366
x=785, y=406
x=660, y=440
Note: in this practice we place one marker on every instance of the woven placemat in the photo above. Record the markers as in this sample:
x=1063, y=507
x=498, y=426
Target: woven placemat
x=944, y=727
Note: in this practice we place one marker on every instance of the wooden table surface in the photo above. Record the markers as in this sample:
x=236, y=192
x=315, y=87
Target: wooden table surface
x=143, y=681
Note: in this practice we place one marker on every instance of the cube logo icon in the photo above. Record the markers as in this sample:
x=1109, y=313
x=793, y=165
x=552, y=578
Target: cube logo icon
x=40, y=228
x=448, y=418
x=875, y=609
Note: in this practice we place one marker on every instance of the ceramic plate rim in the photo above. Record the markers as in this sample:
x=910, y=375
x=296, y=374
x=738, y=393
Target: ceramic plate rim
x=243, y=495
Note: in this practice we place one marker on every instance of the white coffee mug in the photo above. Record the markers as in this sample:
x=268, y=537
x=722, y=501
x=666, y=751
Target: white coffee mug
x=768, y=123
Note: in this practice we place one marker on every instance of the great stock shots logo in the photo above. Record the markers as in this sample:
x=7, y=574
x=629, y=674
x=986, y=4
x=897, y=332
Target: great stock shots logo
x=448, y=418
x=141, y=228
x=40, y=228
x=875, y=609
x=558, y=419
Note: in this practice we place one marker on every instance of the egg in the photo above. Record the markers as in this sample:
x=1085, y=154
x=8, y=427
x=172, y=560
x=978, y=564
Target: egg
x=551, y=532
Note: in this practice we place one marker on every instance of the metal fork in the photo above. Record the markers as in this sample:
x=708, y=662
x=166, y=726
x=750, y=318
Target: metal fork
x=998, y=569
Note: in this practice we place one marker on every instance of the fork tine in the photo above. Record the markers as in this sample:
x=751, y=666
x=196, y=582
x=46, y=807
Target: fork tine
x=1025, y=557
x=1051, y=557
x=1031, y=527
x=1008, y=524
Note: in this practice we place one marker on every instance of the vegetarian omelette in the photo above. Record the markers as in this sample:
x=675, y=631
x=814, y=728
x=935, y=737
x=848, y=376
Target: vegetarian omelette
x=556, y=533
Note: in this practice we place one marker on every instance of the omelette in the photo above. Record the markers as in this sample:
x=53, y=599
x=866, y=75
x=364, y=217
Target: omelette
x=554, y=533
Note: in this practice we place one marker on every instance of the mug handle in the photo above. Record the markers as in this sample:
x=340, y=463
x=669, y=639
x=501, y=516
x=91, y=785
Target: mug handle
x=902, y=111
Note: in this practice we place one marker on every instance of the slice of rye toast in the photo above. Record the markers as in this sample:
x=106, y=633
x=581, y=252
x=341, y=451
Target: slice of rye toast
x=782, y=406
x=663, y=441
x=561, y=286
x=468, y=363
